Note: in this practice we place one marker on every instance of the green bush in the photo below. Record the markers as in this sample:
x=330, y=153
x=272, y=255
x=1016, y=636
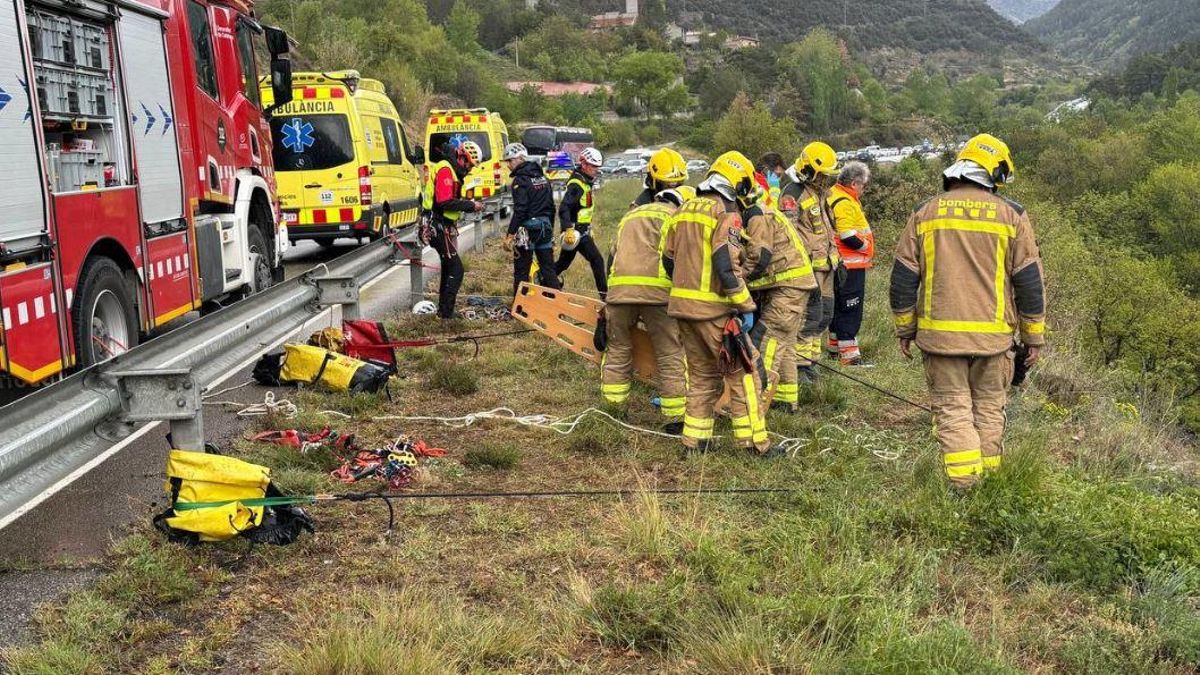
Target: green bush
x=639, y=616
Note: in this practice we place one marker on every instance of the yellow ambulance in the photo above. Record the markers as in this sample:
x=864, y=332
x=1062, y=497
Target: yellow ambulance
x=487, y=129
x=343, y=164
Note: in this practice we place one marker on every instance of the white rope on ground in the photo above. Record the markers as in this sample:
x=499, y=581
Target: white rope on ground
x=226, y=390
x=567, y=425
x=269, y=405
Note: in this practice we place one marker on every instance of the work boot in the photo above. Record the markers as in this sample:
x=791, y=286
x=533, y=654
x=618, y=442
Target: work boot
x=702, y=448
x=772, y=453
x=808, y=375
x=673, y=428
x=855, y=361
x=780, y=406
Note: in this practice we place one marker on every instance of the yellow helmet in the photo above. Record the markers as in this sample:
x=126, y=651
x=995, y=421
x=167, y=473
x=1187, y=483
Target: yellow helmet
x=817, y=158
x=992, y=154
x=667, y=168
x=687, y=192
x=732, y=175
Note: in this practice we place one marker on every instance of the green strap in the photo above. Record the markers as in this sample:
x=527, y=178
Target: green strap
x=257, y=501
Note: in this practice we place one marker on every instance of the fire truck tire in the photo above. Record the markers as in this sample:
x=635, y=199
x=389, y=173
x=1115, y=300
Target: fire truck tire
x=262, y=278
x=103, y=314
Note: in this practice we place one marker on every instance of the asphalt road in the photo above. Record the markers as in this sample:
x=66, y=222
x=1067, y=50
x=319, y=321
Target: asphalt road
x=72, y=529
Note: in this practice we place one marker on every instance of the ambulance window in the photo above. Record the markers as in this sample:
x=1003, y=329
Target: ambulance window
x=391, y=138
x=202, y=50
x=311, y=142
x=245, y=39
x=438, y=141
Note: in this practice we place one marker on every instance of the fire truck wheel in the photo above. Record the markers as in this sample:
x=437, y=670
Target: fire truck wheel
x=103, y=313
x=261, y=259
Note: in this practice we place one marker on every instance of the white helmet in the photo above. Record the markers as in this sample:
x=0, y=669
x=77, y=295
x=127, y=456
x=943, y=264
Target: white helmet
x=514, y=151
x=569, y=239
x=424, y=307
x=591, y=156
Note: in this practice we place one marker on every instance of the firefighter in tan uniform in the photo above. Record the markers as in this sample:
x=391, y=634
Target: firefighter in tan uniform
x=804, y=199
x=780, y=277
x=638, y=290
x=704, y=258
x=967, y=277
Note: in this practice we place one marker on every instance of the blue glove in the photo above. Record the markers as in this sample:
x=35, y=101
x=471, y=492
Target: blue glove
x=747, y=321
x=656, y=401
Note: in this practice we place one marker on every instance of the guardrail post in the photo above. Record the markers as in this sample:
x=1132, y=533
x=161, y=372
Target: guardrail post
x=170, y=395
x=342, y=291
x=413, y=253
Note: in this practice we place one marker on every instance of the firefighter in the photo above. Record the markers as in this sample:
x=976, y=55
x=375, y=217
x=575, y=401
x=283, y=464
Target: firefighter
x=666, y=170
x=771, y=166
x=703, y=257
x=638, y=290
x=856, y=247
x=780, y=277
x=531, y=230
x=964, y=306
x=803, y=200
x=575, y=215
x=443, y=197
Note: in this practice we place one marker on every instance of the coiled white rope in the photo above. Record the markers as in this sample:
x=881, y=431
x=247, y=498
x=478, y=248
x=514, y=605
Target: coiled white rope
x=270, y=405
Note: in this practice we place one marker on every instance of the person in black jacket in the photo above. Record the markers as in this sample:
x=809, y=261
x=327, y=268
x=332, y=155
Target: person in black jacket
x=531, y=230
x=575, y=215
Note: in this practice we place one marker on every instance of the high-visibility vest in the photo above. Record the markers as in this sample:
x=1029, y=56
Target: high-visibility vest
x=427, y=194
x=584, y=217
x=851, y=222
x=804, y=269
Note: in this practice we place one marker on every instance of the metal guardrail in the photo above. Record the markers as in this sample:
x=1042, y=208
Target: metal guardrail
x=58, y=433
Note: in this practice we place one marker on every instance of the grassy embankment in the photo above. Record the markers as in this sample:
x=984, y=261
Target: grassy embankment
x=1080, y=556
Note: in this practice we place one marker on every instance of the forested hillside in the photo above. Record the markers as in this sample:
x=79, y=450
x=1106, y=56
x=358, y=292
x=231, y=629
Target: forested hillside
x=1110, y=32
x=1165, y=73
x=1022, y=10
x=922, y=25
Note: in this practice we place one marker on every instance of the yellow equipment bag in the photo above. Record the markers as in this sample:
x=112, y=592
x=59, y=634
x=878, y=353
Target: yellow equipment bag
x=197, y=477
x=215, y=498
x=308, y=364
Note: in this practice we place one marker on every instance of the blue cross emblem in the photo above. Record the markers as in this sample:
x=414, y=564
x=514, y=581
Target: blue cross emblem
x=298, y=135
x=4, y=98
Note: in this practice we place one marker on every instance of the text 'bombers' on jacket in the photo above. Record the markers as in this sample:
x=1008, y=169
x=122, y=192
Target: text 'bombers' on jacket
x=968, y=276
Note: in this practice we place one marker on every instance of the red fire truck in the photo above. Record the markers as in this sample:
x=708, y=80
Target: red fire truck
x=136, y=160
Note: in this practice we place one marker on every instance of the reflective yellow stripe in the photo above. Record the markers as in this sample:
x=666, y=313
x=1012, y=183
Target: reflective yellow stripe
x=1034, y=328
x=639, y=281
x=788, y=393
x=808, y=203
x=1001, y=275
x=698, y=434
x=991, y=462
x=961, y=456
x=769, y=353
x=964, y=471
x=961, y=225
x=756, y=421
x=930, y=248
x=759, y=437
x=905, y=319
x=616, y=388
x=673, y=400
x=708, y=296
x=988, y=327
x=698, y=422
x=787, y=275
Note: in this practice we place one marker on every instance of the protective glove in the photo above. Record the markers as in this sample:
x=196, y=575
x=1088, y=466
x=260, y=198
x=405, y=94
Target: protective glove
x=747, y=321
x=656, y=401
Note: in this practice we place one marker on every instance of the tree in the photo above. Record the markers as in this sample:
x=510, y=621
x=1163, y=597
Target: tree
x=650, y=81
x=817, y=67
x=752, y=129
x=715, y=89
x=462, y=27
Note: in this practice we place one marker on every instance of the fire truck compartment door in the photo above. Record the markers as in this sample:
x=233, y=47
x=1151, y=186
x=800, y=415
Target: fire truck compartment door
x=23, y=207
x=152, y=118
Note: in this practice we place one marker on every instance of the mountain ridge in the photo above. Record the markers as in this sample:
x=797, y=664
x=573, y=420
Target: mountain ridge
x=1110, y=32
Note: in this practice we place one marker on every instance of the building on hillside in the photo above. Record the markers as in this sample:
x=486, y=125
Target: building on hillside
x=611, y=20
x=692, y=38
x=554, y=89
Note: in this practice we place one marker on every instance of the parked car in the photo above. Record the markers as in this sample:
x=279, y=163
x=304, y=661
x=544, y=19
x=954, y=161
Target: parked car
x=697, y=166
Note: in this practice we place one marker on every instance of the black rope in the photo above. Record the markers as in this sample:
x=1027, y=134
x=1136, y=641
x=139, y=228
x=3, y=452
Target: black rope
x=361, y=496
x=868, y=385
